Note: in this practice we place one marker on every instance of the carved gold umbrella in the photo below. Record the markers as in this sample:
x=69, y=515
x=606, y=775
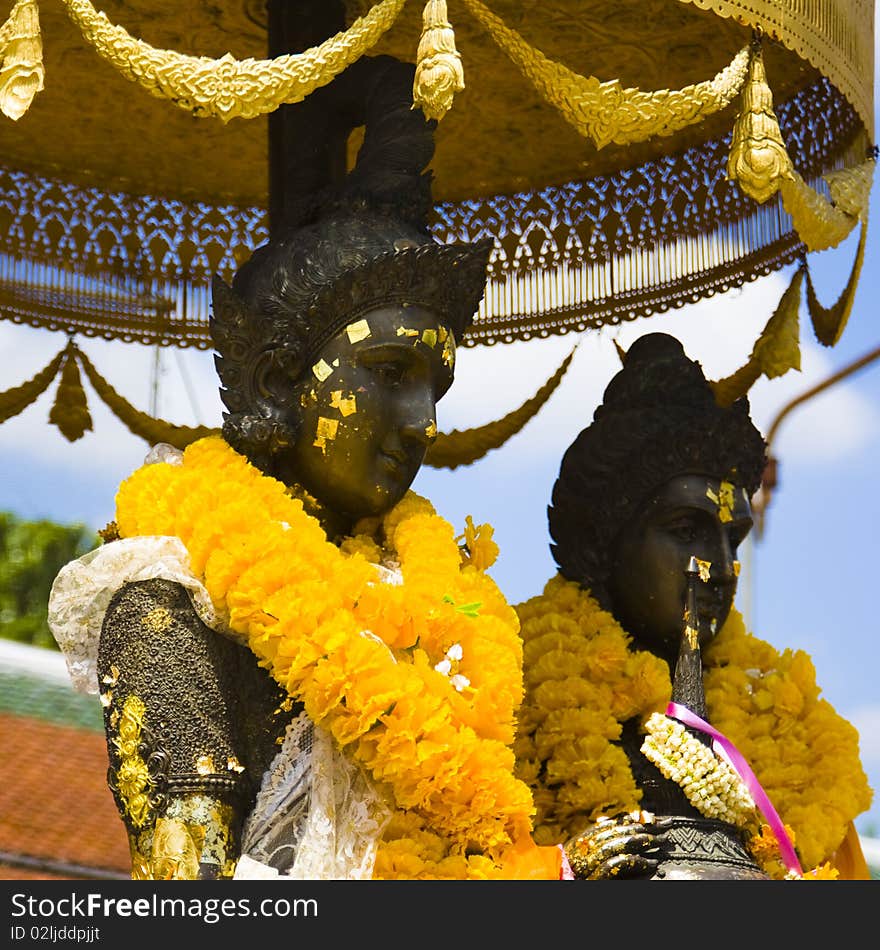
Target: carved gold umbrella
x=626, y=158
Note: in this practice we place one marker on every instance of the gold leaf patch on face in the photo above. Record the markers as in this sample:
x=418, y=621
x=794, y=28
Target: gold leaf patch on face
x=704, y=568
x=725, y=502
x=407, y=331
x=346, y=405
x=322, y=370
x=325, y=431
x=449, y=353
x=429, y=337
x=358, y=331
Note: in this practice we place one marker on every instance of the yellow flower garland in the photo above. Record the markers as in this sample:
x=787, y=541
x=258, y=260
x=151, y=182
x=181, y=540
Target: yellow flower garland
x=363, y=655
x=583, y=681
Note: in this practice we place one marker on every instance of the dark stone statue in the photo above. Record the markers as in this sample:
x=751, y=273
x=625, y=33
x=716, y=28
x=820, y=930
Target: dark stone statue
x=353, y=285
x=641, y=491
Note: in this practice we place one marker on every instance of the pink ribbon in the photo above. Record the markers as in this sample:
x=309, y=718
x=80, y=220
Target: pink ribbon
x=734, y=758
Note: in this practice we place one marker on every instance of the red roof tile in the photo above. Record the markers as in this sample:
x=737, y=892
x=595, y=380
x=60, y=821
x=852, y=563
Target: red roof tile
x=56, y=812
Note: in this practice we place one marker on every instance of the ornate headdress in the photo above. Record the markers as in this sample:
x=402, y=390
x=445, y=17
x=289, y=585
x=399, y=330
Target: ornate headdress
x=345, y=250
x=658, y=419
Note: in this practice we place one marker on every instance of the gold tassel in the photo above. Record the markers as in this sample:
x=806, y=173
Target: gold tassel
x=439, y=73
x=70, y=411
x=464, y=446
x=140, y=423
x=21, y=59
x=15, y=400
x=758, y=160
x=829, y=324
x=775, y=352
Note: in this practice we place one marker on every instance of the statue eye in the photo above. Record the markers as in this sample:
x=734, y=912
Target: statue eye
x=391, y=373
x=682, y=530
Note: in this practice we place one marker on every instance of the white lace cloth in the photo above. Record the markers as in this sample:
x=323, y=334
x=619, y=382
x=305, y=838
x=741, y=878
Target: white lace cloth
x=316, y=806
x=313, y=802
x=82, y=591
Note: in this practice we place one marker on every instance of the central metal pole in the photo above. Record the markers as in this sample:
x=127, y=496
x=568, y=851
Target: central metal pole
x=307, y=140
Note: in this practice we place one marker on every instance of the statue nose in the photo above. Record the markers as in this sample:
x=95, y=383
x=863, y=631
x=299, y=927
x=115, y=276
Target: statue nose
x=723, y=570
x=421, y=431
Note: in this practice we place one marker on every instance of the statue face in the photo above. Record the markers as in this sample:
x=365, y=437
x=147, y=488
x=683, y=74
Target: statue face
x=365, y=412
x=690, y=515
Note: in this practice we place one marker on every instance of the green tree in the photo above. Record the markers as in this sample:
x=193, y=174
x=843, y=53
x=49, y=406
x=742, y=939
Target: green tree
x=31, y=554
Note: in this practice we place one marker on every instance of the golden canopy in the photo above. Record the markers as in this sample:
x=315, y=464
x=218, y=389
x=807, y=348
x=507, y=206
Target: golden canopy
x=626, y=157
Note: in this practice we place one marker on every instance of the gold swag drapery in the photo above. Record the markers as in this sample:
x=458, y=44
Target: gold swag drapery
x=114, y=229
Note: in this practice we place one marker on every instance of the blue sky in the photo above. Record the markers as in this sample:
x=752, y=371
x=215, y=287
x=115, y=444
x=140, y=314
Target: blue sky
x=810, y=582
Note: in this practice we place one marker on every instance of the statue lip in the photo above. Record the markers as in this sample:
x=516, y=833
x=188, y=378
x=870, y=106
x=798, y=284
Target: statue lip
x=395, y=462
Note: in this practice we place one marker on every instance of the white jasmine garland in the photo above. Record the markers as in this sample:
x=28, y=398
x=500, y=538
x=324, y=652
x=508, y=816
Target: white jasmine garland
x=709, y=783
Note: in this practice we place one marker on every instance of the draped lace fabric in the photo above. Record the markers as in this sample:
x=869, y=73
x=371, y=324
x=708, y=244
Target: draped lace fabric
x=83, y=589
x=317, y=815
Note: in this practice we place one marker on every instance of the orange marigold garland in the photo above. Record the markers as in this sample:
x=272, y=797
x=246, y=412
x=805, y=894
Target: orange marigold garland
x=419, y=681
x=583, y=681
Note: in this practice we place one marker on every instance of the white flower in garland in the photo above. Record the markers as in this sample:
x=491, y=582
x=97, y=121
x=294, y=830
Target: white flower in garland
x=448, y=666
x=709, y=783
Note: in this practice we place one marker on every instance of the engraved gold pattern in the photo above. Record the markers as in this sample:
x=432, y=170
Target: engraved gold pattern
x=606, y=111
x=227, y=88
x=132, y=776
x=177, y=847
x=835, y=36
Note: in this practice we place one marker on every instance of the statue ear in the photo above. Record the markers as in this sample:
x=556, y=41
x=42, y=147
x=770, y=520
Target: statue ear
x=254, y=366
x=228, y=326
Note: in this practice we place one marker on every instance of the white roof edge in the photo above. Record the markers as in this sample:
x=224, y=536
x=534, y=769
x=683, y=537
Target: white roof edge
x=36, y=661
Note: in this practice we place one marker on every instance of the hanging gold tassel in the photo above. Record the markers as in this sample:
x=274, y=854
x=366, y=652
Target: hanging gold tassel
x=464, y=446
x=21, y=59
x=439, y=73
x=758, y=160
x=829, y=324
x=70, y=411
x=140, y=423
x=15, y=400
x=775, y=352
